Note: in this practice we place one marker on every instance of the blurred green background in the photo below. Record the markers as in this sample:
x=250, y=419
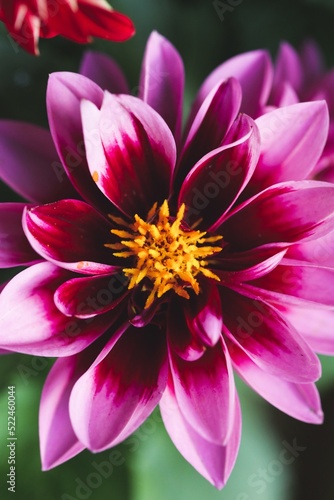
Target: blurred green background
x=150, y=468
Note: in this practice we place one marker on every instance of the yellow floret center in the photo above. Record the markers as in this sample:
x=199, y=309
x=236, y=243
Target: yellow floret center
x=168, y=254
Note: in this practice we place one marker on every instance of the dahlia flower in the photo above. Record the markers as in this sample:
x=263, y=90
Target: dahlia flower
x=78, y=20
x=159, y=266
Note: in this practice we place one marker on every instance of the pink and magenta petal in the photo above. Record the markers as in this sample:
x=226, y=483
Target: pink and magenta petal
x=214, y=461
x=267, y=338
x=214, y=183
x=204, y=316
x=292, y=140
x=319, y=251
x=121, y=388
x=86, y=297
x=288, y=212
x=54, y=419
x=301, y=401
x=254, y=72
x=312, y=60
x=211, y=124
x=131, y=152
x=298, y=282
x=288, y=68
x=254, y=271
x=64, y=94
x=315, y=324
x=32, y=324
x=205, y=391
x=71, y=234
x=162, y=81
x=180, y=338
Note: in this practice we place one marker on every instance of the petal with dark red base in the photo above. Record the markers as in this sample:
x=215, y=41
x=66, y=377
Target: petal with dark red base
x=121, y=389
x=252, y=272
x=89, y=296
x=297, y=282
x=215, y=182
x=289, y=212
x=32, y=324
x=180, y=338
x=131, y=152
x=204, y=315
x=205, y=391
x=210, y=125
x=267, y=338
x=71, y=234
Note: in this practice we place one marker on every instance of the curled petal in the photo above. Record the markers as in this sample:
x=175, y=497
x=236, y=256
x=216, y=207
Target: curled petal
x=256, y=259
x=71, y=234
x=180, y=338
x=254, y=271
x=204, y=316
x=86, y=297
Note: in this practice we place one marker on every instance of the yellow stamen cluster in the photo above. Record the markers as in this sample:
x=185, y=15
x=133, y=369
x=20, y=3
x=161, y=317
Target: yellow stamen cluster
x=168, y=255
